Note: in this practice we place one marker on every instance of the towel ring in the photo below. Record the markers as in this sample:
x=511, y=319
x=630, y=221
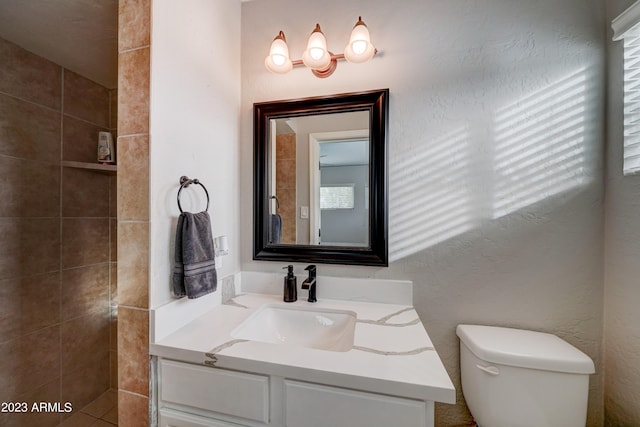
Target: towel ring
x=277, y=202
x=184, y=183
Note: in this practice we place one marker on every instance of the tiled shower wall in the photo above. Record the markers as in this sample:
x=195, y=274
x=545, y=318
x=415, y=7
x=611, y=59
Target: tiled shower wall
x=286, y=184
x=134, y=48
x=57, y=238
x=113, y=251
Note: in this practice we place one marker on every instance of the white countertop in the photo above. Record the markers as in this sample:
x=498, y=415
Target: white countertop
x=392, y=352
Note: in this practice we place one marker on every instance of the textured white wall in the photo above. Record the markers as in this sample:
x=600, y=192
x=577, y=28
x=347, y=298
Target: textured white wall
x=495, y=152
x=195, y=94
x=622, y=269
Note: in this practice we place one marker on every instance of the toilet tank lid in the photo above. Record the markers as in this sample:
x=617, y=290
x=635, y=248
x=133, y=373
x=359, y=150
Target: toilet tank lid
x=525, y=349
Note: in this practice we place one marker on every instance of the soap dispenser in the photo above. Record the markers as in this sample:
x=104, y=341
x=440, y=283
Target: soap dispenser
x=290, y=286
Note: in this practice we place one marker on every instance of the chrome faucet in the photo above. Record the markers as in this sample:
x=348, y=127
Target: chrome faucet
x=310, y=283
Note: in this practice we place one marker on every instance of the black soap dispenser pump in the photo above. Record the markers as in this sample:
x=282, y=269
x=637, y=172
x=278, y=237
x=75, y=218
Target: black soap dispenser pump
x=290, y=286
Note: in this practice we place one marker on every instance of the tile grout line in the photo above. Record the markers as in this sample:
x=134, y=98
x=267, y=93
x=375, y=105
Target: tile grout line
x=60, y=284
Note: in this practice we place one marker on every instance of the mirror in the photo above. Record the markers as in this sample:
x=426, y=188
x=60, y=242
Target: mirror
x=320, y=179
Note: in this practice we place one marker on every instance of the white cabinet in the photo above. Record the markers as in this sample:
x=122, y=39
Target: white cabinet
x=170, y=418
x=313, y=405
x=198, y=396
x=228, y=393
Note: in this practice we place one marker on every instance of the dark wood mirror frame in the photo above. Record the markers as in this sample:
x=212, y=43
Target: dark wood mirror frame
x=376, y=254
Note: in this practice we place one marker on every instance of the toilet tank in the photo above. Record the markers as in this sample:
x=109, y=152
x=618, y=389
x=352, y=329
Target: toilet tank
x=519, y=378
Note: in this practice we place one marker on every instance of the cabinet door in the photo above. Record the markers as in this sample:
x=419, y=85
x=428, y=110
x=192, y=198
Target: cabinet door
x=175, y=419
x=313, y=405
x=232, y=393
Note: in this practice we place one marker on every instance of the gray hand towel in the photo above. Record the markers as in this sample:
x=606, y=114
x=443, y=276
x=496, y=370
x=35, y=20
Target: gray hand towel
x=194, y=273
x=276, y=228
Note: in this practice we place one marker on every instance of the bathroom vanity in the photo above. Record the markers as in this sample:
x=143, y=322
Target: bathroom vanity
x=257, y=361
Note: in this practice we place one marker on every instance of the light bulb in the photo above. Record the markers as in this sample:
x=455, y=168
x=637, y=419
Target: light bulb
x=278, y=59
x=316, y=55
x=359, y=48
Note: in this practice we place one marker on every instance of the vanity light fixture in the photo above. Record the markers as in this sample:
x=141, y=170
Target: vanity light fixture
x=316, y=56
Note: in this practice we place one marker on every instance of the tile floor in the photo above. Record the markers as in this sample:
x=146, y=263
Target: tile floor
x=102, y=412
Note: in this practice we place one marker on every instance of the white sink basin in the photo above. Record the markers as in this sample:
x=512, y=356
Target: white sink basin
x=322, y=329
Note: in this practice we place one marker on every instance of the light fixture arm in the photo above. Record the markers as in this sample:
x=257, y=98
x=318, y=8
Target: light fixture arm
x=298, y=62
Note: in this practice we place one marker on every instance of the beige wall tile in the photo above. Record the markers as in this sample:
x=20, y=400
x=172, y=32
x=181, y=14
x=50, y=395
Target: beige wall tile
x=78, y=419
x=133, y=264
x=29, y=76
x=113, y=328
x=113, y=296
x=84, y=241
x=110, y=417
x=29, y=131
x=133, y=178
x=84, y=341
x=287, y=199
x=113, y=331
x=133, y=410
x=29, y=188
x=34, y=295
x=134, y=29
x=286, y=185
x=287, y=211
x=133, y=92
x=84, y=193
x=133, y=350
x=28, y=304
x=29, y=362
x=80, y=140
x=103, y=404
x=84, y=385
x=113, y=196
x=286, y=146
x=29, y=246
x=113, y=231
x=85, y=290
x=113, y=373
x=102, y=423
x=49, y=392
x=113, y=109
x=285, y=173
x=85, y=99
x=133, y=238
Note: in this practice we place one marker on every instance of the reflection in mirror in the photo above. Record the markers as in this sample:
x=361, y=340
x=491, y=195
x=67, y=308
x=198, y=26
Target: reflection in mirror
x=340, y=202
x=320, y=179
x=323, y=176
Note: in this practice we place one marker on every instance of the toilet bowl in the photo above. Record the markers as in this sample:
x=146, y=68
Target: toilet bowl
x=519, y=378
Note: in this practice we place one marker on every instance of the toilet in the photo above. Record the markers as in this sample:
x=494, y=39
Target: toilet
x=519, y=378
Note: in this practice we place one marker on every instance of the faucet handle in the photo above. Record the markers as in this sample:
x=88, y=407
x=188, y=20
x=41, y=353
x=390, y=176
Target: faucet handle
x=310, y=283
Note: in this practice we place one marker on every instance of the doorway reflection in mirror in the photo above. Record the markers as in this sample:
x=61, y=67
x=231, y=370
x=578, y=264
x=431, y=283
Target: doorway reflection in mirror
x=320, y=174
